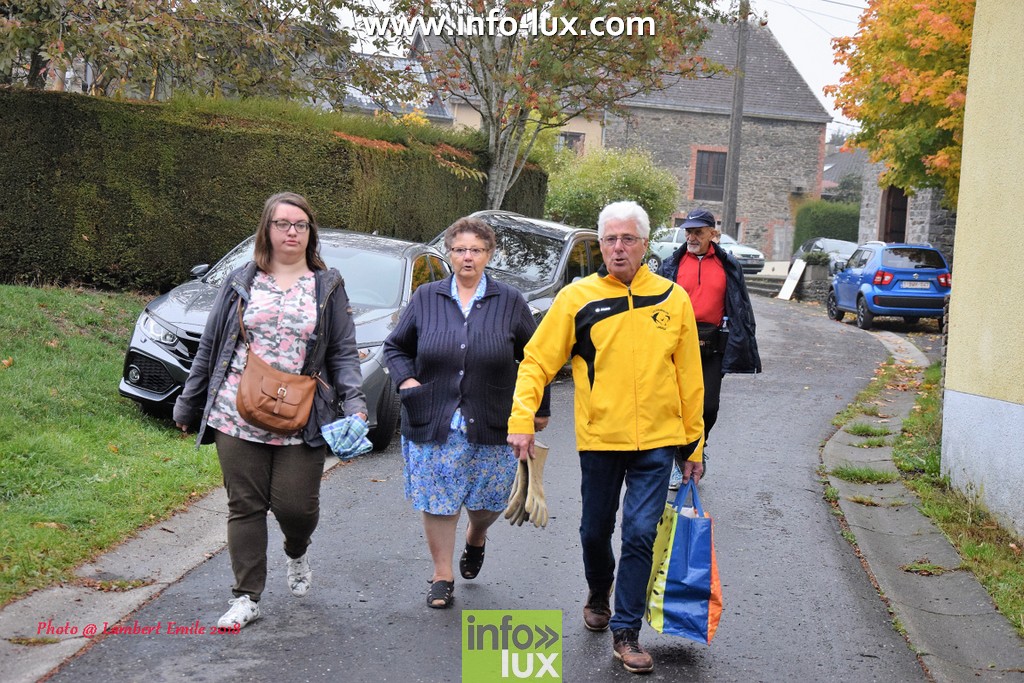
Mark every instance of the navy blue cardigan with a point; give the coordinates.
(461, 362)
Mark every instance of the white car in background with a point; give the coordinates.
(751, 260)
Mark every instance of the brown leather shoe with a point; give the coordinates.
(597, 611)
(627, 649)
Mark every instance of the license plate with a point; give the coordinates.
(911, 284)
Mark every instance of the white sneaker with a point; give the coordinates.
(300, 576)
(243, 611)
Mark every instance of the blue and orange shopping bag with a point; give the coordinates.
(684, 595)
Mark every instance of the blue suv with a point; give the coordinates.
(910, 281)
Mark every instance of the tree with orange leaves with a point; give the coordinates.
(569, 58)
(906, 83)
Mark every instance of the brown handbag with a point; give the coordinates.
(268, 398)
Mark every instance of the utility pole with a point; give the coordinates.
(732, 159)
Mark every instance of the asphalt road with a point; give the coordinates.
(797, 603)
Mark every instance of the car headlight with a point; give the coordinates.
(153, 329)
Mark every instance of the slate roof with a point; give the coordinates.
(431, 105)
(772, 88)
(839, 164)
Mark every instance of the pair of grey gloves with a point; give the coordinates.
(526, 503)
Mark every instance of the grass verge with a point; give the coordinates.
(81, 468)
(990, 552)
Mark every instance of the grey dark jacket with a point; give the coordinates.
(334, 353)
(740, 353)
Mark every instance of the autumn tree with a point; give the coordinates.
(906, 83)
(298, 49)
(555, 67)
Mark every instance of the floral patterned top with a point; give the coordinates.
(278, 324)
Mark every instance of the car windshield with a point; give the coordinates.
(727, 239)
(372, 280)
(527, 255)
(910, 257)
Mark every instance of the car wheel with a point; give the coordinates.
(911, 319)
(940, 320)
(833, 307)
(864, 316)
(387, 418)
(654, 262)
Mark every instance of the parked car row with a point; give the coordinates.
(381, 273)
(839, 251)
(910, 281)
(751, 260)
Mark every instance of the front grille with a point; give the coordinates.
(928, 303)
(154, 376)
(185, 351)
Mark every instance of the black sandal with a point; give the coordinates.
(472, 560)
(443, 591)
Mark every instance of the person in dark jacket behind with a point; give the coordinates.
(298, 319)
(454, 358)
(725, 319)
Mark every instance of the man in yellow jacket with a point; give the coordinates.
(639, 390)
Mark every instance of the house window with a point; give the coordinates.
(571, 141)
(709, 181)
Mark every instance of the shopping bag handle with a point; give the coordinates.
(689, 488)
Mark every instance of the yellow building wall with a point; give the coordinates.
(985, 356)
(466, 116)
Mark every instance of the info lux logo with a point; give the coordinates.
(504, 645)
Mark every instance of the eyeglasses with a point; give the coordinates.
(284, 226)
(462, 251)
(627, 240)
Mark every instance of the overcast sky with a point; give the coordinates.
(805, 29)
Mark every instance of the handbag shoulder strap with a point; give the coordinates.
(241, 325)
(245, 339)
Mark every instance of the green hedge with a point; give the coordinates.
(128, 195)
(819, 218)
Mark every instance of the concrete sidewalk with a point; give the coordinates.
(949, 619)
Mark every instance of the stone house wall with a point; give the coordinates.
(780, 166)
(927, 221)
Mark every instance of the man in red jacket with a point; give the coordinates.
(725, 320)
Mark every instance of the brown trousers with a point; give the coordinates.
(282, 479)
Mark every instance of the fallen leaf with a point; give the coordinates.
(1015, 549)
(85, 237)
(49, 525)
(53, 343)
(112, 448)
(7, 362)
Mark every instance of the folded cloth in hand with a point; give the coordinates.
(347, 437)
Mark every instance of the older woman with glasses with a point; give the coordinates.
(297, 318)
(453, 357)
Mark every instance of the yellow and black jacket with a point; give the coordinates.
(635, 363)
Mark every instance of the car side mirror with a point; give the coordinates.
(200, 270)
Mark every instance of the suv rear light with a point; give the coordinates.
(882, 277)
(945, 280)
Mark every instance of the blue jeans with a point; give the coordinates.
(646, 475)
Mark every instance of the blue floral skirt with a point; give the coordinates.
(441, 478)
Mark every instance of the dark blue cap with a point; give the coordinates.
(699, 218)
